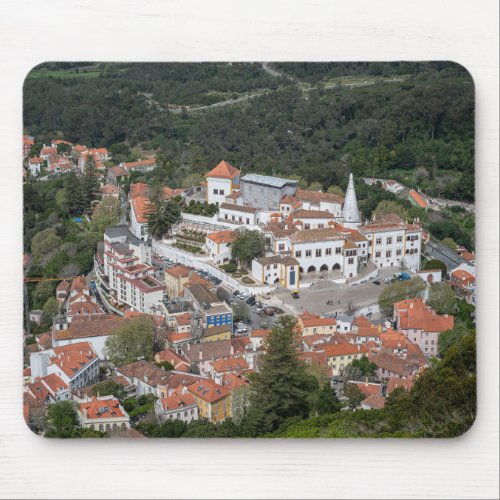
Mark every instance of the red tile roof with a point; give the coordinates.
(208, 391)
(224, 170)
(102, 408)
(414, 314)
(418, 198)
(220, 237)
(367, 388)
(374, 401)
(72, 358)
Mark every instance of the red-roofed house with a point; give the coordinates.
(35, 165)
(77, 365)
(421, 324)
(180, 363)
(218, 245)
(417, 199)
(177, 407)
(464, 282)
(145, 165)
(213, 400)
(102, 414)
(311, 324)
(221, 182)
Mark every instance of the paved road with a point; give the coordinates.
(314, 299)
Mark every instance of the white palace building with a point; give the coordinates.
(310, 231)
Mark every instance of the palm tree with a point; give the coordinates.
(162, 216)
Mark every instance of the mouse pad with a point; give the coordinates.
(249, 250)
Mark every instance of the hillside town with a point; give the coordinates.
(173, 324)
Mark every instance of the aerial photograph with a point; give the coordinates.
(249, 250)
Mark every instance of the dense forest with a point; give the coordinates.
(408, 121)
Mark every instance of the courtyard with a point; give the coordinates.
(345, 298)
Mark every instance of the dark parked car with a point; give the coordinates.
(251, 300)
(376, 282)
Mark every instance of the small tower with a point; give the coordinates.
(350, 210)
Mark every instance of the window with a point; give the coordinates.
(377, 253)
(350, 260)
(298, 254)
(275, 266)
(398, 251)
(388, 253)
(389, 240)
(221, 191)
(216, 191)
(328, 251)
(399, 239)
(308, 253)
(318, 252)
(378, 241)
(321, 225)
(338, 250)
(248, 220)
(307, 226)
(281, 247)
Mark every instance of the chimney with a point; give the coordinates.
(231, 350)
(200, 355)
(146, 378)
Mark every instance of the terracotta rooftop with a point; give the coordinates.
(238, 208)
(220, 237)
(208, 391)
(317, 196)
(414, 314)
(312, 235)
(224, 170)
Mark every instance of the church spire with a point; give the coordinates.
(350, 208)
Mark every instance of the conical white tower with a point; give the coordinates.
(350, 210)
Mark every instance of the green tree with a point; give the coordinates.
(50, 309)
(74, 195)
(106, 214)
(90, 182)
(109, 387)
(450, 338)
(399, 290)
(162, 216)
(44, 242)
(131, 342)
(241, 312)
(167, 366)
(170, 429)
(434, 264)
(62, 419)
(281, 387)
(63, 148)
(327, 401)
(442, 298)
(336, 190)
(248, 245)
(450, 243)
(354, 394)
(43, 291)
(386, 207)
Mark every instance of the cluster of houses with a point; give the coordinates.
(61, 156)
(202, 369)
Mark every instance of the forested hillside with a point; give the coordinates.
(408, 121)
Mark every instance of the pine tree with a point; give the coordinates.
(280, 390)
(90, 183)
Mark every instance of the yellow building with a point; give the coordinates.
(213, 400)
(215, 333)
(310, 324)
(338, 356)
(175, 279)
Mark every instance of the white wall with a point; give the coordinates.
(197, 262)
(214, 183)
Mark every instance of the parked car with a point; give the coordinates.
(376, 282)
(269, 311)
(295, 294)
(251, 300)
